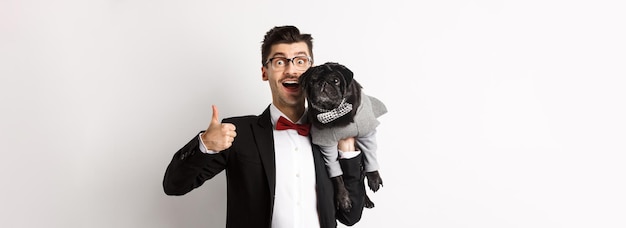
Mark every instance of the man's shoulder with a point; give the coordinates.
(249, 119)
(241, 119)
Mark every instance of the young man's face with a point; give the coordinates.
(283, 77)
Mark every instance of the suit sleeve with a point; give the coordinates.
(190, 168)
(354, 180)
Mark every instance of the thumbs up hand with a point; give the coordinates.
(218, 136)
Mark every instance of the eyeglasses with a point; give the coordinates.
(299, 62)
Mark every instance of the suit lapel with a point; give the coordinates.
(265, 144)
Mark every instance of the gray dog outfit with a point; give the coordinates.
(363, 129)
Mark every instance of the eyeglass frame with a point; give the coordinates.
(290, 60)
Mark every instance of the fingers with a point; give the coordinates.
(228, 130)
(347, 144)
(222, 136)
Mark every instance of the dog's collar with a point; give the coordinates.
(328, 116)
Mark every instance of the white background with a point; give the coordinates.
(500, 114)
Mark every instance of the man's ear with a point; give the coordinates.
(264, 73)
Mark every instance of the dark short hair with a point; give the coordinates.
(284, 35)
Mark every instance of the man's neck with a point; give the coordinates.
(293, 113)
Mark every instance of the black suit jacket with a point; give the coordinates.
(251, 176)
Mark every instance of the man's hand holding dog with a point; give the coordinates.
(347, 144)
(218, 136)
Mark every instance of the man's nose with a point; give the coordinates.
(290, 68)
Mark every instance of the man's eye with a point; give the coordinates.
(280, 62)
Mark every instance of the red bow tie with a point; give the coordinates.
(284, 124)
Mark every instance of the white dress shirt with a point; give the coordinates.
(295, 199)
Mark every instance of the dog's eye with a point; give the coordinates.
(336, 81)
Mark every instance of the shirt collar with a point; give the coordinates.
(275, 114)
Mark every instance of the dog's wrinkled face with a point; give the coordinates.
(326, 85)
(332, 93)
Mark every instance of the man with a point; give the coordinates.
(275, 176)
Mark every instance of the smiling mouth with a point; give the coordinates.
(291, 85)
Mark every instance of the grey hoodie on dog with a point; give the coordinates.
(363, 129)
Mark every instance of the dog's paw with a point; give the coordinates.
(374, 181)
(368, 202)
(343, 201)
(342, 196)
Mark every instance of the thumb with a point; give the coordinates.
(215, 118)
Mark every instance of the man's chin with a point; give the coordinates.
(295, 99)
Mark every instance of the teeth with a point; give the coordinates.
(291, 82)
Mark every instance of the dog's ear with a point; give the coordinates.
(305, 77)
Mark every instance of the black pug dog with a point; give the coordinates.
(337, 109)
